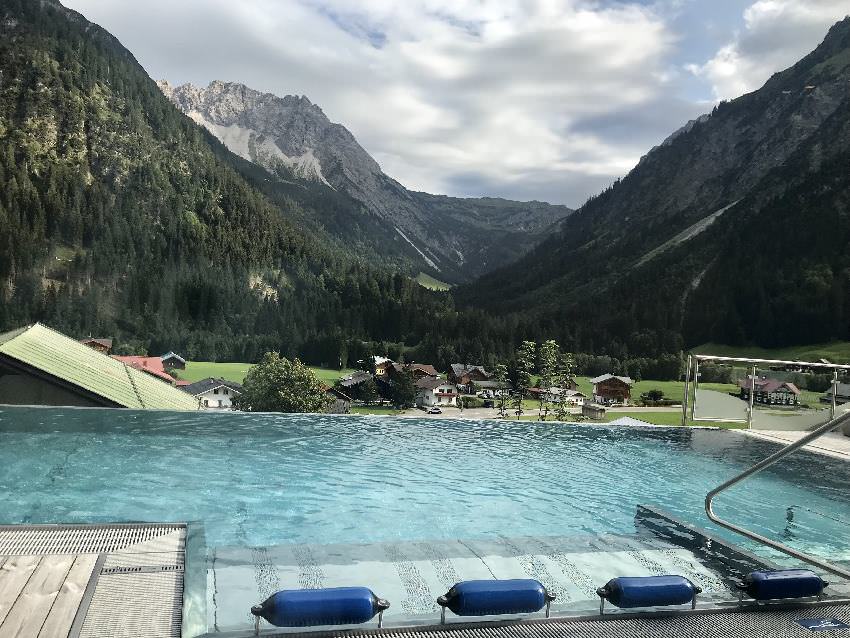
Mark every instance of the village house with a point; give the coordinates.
(609, 389)
(101, 345)
(769, 391)
(40, 366)
(842, 394)
(593, 411)
(431, 391)
(354, 379)
(555, 394)
(152, 365)
(419, 370)
(214, 393)
(382, 367)
(340, 403)
(173, 361)
(465, 375)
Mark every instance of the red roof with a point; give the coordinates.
(768, 385)
(151, 365)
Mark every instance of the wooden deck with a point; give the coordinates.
(40, 595)
(85, 581)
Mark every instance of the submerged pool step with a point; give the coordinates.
(413, 574)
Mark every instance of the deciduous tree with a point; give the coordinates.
(277, 384)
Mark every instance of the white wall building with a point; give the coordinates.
(431, 391)
(214, 393)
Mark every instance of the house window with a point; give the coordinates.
(206, 403)
(220, 403)
(215, 391)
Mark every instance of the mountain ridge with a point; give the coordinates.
(602, 260)
(122, 216)
(453, 238)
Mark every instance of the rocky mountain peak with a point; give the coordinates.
(291, 135)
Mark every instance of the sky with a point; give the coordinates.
(525, 99)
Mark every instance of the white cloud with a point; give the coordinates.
(466, 97)
(776, 34)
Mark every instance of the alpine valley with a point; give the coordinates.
(225, 222)
(450, 238)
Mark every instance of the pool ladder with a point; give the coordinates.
(829, 426)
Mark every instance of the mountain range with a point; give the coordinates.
(733, 230)
(123, 217)
(243, 222)
(451, 238)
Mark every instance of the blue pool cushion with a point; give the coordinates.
(648, 591)
(784, 583)
(311, 607)
(493, 597)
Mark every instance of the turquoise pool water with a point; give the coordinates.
(275, 479)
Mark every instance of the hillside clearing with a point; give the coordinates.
(429, 282)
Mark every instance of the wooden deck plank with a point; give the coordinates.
(14, 574)
(64, 609)
(33, 605)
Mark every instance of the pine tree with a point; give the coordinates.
(524, 366)
(547, 363)
(563, 376)
(500, 375)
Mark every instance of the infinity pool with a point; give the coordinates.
(259, 480)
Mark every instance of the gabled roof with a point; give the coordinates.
(173, 355)
(606, 377)
(339, 395)
(72, 363)
(413, 367)
(768, 385)
(355, 378)
(106, 343)
(207, 385)
(460, 368)
(429, 383)
(554, 390)
(843, 390)
(151, 365)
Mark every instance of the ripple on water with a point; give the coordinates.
(263, 479)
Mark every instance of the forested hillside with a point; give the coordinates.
(735, 230)
(122, 217)
(454, 239)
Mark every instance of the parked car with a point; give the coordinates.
(435, 410)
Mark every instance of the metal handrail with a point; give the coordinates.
(804, 364)
(829, 426)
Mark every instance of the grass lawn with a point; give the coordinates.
(427, 281)
(329, 376)
(836, 352)
(671, 389)
(197, 370)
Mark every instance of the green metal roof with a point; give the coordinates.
(64, 358)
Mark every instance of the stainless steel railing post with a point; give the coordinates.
(686, 397)
(829, 426)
